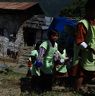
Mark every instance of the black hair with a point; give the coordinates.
(51, 32)
(37, 45)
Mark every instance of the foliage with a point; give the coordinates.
(76, 9)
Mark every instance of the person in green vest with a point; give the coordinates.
(45, 60)
(33, 71)
(85, 46)
(34, 56)
(61, 73)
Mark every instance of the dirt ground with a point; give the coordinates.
(10, 86)
(10, 80)
(11, 83)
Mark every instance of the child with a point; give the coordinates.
(33, 70)
(60, 68)
(34, 55)
(46, 57)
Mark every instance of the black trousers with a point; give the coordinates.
(46, 81)
(35, 83)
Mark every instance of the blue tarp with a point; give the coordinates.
(58, 23)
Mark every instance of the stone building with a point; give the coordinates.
(12, 17)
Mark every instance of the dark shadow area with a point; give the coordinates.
(25, 84)
(30, 84)
(29, 36)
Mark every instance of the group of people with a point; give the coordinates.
(50, 59)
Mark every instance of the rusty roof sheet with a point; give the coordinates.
(17, 5)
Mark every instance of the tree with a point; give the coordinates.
(76, 9)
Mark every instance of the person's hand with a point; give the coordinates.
(38, 63)
(62, 61)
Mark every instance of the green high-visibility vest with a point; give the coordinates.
(87, 57)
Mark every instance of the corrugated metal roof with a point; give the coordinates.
(17, 5)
